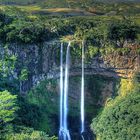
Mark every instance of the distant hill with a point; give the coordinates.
(61, 3)
(118, 1)
(77, 7)
(19, 2)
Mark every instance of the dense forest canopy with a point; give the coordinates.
(25, 29)
(120, 116)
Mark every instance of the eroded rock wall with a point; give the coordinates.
(42, 61)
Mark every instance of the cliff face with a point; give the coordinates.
(103, 77)
(126, 63)
(42, 61)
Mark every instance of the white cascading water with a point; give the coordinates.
(82, 94)
(61, 91)
(63, 131)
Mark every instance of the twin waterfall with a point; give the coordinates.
(64, 83)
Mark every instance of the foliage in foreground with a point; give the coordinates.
(8, 129)
(25, 133)
(8, 107)
(120, 119)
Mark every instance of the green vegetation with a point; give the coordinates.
(97, 31)
(24, 133)
(96, 6)
(14, 124)
(44, 100)
(123, 31)
(8, 113)
(106, 27)
(119, 120)
(13, 119)
(7, 62)
(7, 67)
(23, 136)
(8, 108)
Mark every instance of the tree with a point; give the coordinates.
(8, 107)
(122, 31)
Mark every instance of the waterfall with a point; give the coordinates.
(61, 87)
(82, 94)
(63, 131)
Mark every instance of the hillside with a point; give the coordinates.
(74, 8)
(64, 3)
(118, 1)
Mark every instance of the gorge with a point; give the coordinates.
(106, 73)
(69, 70)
